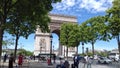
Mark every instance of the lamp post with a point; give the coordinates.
(51, 48)
(64, 51)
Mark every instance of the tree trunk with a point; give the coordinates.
(77, 47)
(1, 38)
(2, 22)
(67, 53)
(77, 50)
(16, 43)
(93, 49)
(64, 51)
(82, 48)
(118, 40)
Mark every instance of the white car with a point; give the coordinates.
(104, 60)
(114, 56)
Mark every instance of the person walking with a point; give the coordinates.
(11, 60)
(85, 61)
(20, 60)
(34, 57)
(66, 63)
(54, 57)
(5, 58)
(76, 61)
(89, 61)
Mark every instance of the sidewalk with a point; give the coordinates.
(45, 65)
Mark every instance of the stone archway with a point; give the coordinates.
(55, 24)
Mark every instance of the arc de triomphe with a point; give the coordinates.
(42, 40)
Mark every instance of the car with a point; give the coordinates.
(60, 58)
(104, 60)
(114, 56)
(82, 59)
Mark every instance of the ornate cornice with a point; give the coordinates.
(62, 18)
(62, 15)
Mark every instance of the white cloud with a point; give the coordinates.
(65, 4)
(95, 5)
(69, 2)
(90, 5)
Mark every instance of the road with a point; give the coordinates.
(36, 64)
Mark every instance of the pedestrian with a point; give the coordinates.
(60, 60)
(54, 57)
(76, 61)
(11, 60)
(61, 64)
(34, 57)
(20, 60)
(85, 61)
(31, 57)
(89, 61)
(5, 58)
(66, 64)
(39, 58)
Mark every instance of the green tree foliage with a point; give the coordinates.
(94, 30)
(66, 35)
(90, 53)
(7, 42)
(25, 52)
(75, 36)
(26, 14)
(113, 21)
(104, 54)
(83, 34)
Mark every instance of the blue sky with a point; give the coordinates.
(83, 10)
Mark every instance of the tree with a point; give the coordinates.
(65, 35)
(75, 36)
(82, 35)
(27, 12)
(78, 34)
(25, 52)
(113, 21)
(96, 29)
(7, 42)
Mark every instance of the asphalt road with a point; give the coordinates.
(111, 65)
(36, 64)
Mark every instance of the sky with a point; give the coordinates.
(83, 10)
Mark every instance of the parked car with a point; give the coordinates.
(114, 56)
(82, 59)
(104, 60)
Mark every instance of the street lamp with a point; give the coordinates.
(51, 48)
